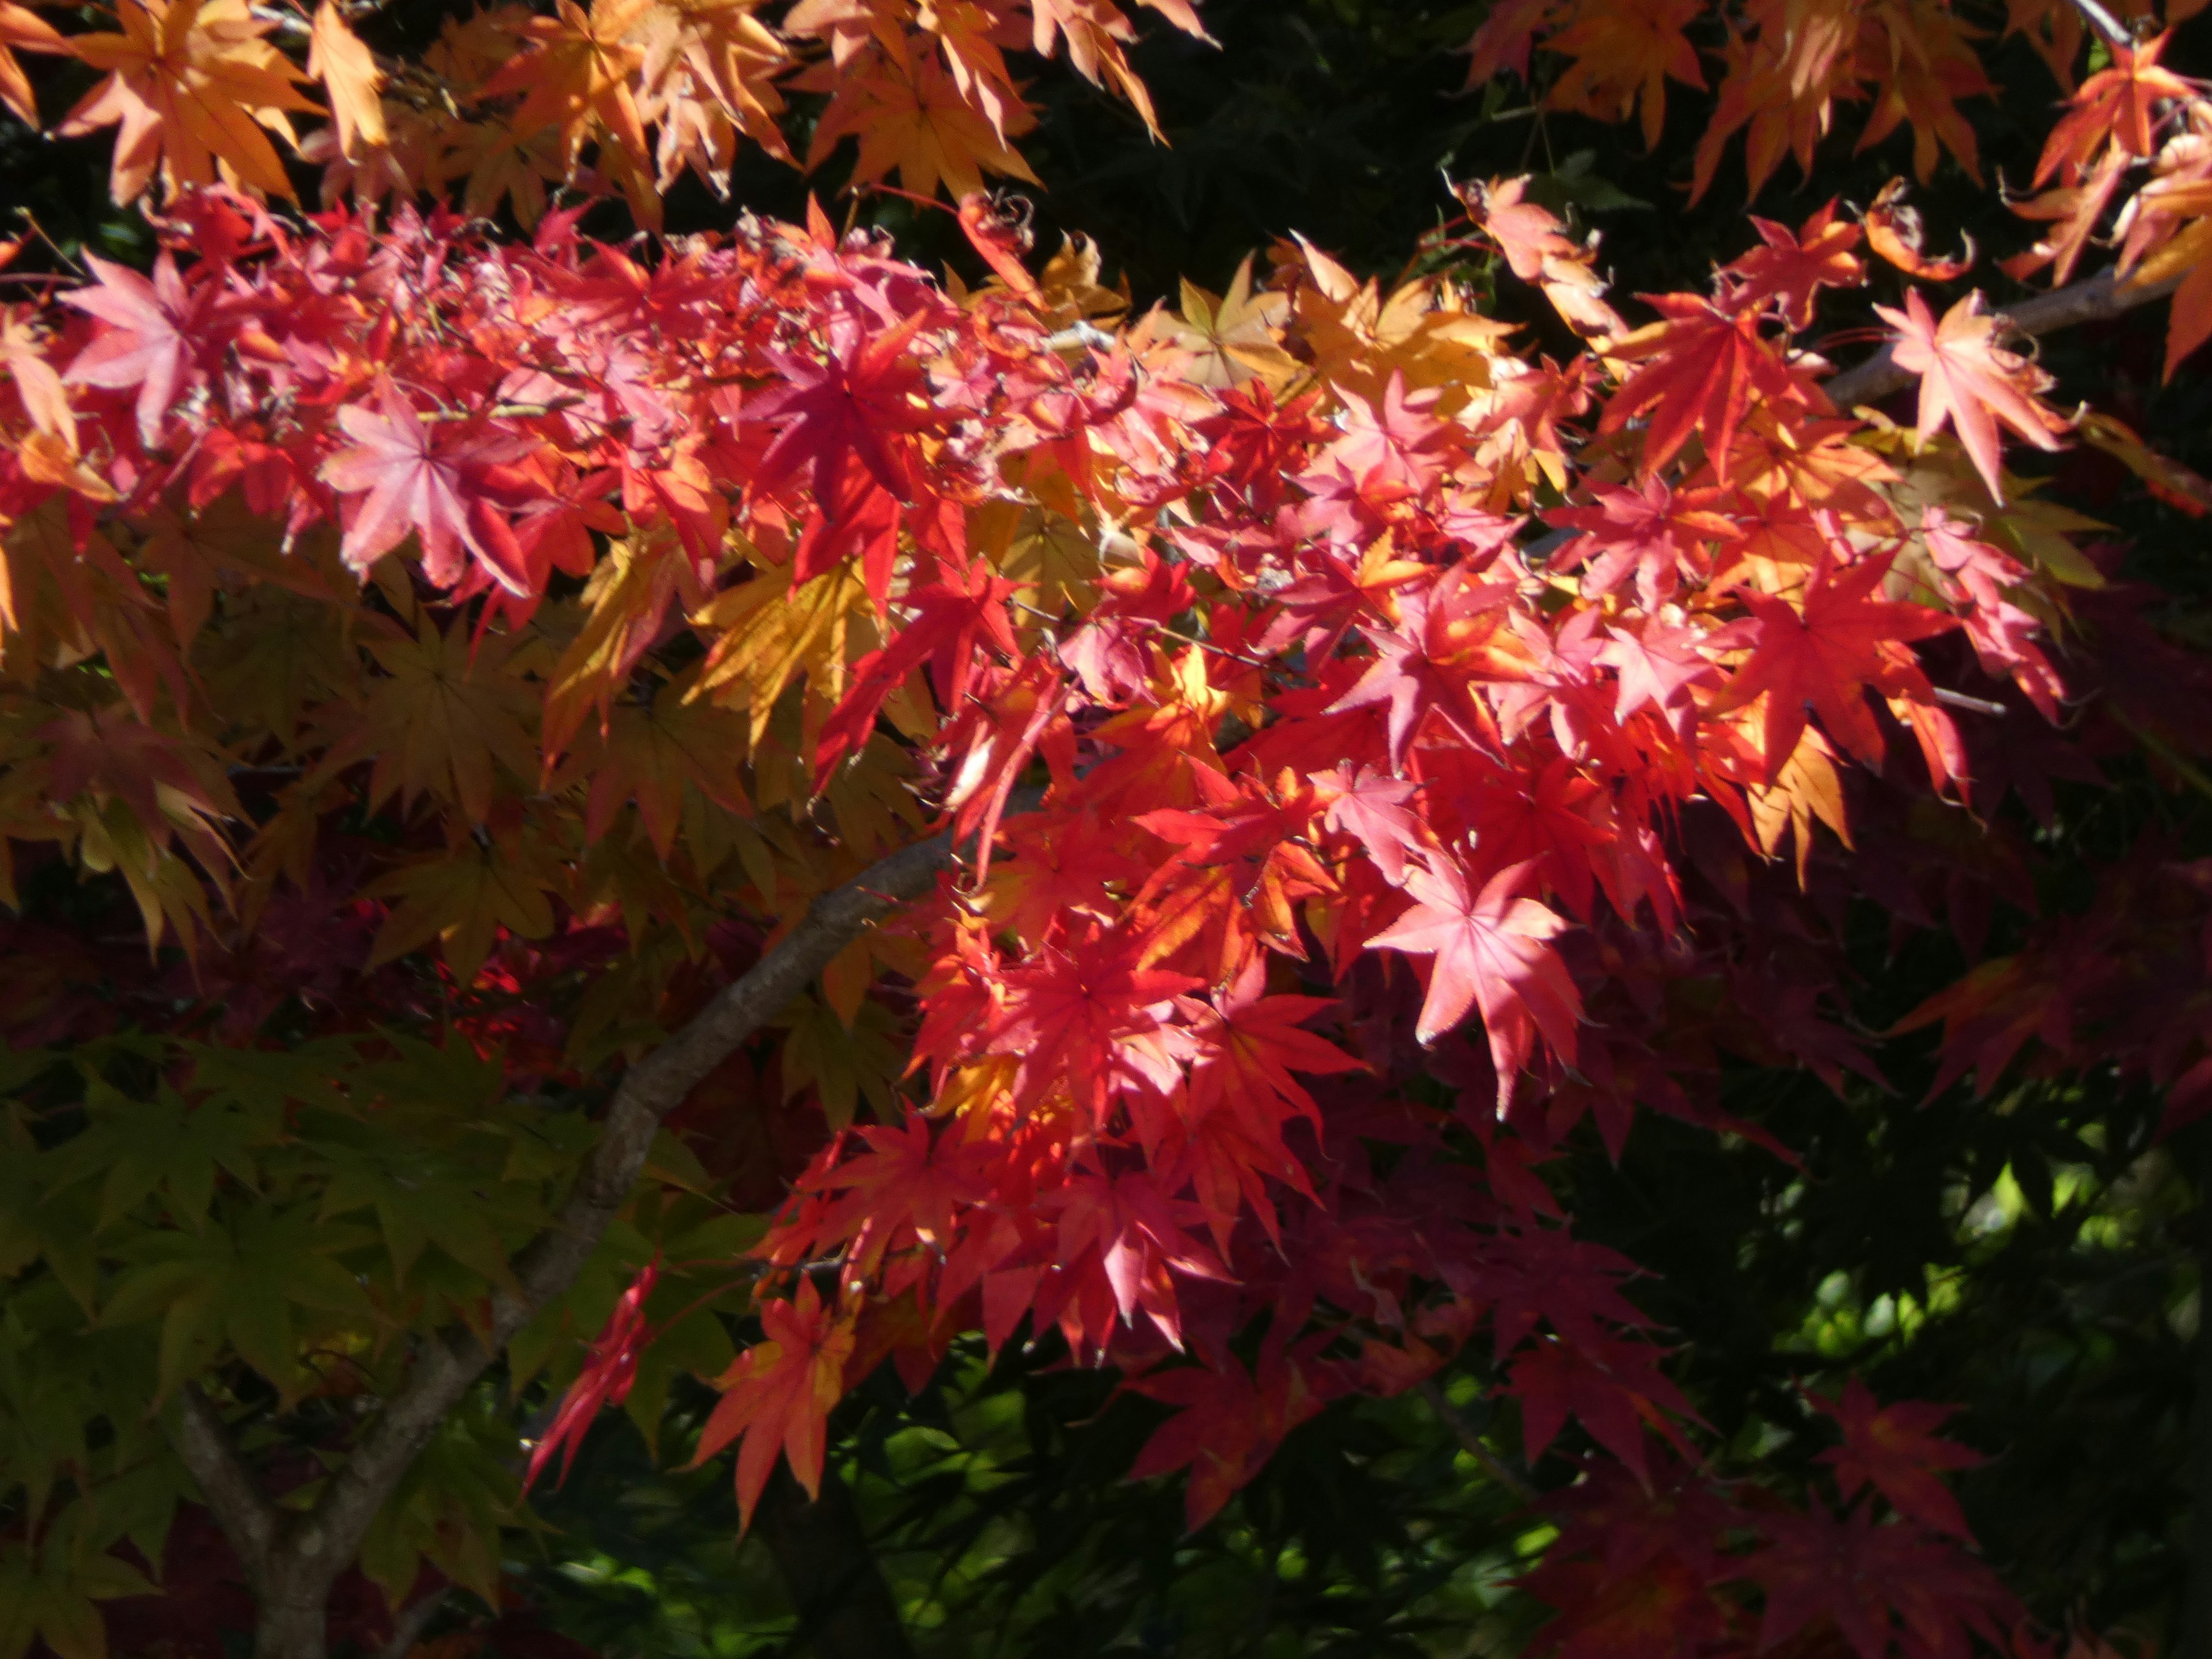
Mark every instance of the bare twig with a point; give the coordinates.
(2114, 31)
(1518, 1484)
(2095, 298)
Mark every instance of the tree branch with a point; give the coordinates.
(407, 1629)
(1519, 1485)
(240, 1508)
(2114, 31)
(2095, 298)
(451, 1362)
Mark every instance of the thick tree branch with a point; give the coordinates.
(450, 1362)
(2095, 299)
(234, 1497)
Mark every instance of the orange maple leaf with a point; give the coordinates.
(23, 31)
(908, 115)
(1894, 231)
(1916, 53)
(1623, 49)
(580, 78)
(1969, 380)
(191, 84)
(2118, 104)
(778, 1396)
(349, 75)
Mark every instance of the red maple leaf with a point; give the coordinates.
(1703, 369)
(1230, 1423)
(401, 474)
(1791, 269)
(1896, 1448)
(1654, 532)
(608, 1371)
(1826, 658)
(1490, 953)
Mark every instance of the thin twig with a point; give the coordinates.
(2114, 31)
(1519, 1485)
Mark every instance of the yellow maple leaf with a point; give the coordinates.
(1233, 337)
(1357, 338)
(350, 77)
(768, 637)
(21, 30)
(191, 84)
(908, 116)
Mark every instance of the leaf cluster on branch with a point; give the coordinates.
(1172, 822)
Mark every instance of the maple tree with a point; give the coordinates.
(1177, 819)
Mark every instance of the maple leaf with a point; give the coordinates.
(1372, 809)
(652, 755)
(1825, 658)
(463, 898)
(1896, 1448)
(22, 30)
(1230, 1423)
(908, 115)
(1491, 951)
(1999, 629)
(2119, 106)
(778, 1394)
(1702, 370)
(609, 1371)
(1504, 38)
(350, 77)
(146, 344)
(1657, 667)
(401, 474)
(1970, 382)
(1625, 50)
(1096, 31)
(579, 77)
(1613, 1386)
(191, 83)
(1001, 235)
(1527, 235)
(1076, 1016)
(1248, 1043)
(1924, 67)
(1234, 337)
(1894, 230)
(1791, 269)
(1651, 532)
